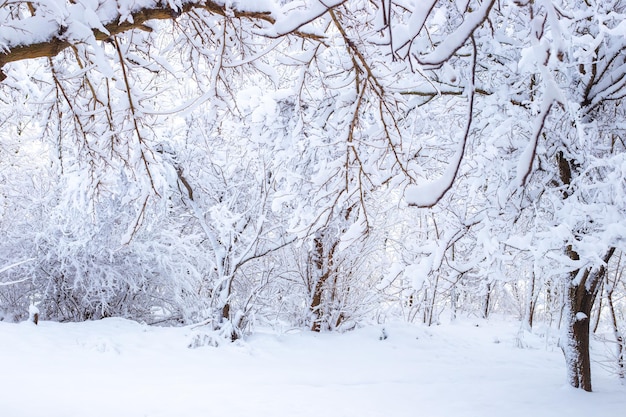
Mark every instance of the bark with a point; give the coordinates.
(323, 267)
(57, 41)
(316, 303)
(582, 291)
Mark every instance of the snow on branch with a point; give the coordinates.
(46, 31)
(293, 19)
(11, 266)
(429, 194)
(404, 35)
(525, 163)
(456, 39)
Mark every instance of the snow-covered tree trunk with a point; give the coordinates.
(321, 271)
(581, 293)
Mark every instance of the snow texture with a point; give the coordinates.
(580, 316)
(429, 193)
(115, 367)
(456, 39)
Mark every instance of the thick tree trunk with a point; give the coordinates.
(583, 287)
(581, 293)
(576, 348)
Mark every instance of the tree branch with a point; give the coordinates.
(57, 41)
(158, 11)
(430, 194)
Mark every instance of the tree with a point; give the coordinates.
(568, 82)
(583, 88)
(229, 202)
(501, 115)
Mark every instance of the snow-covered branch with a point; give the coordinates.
(45, 31)
(454, 41)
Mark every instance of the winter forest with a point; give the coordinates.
(319, 165)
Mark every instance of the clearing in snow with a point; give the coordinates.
(120, 368)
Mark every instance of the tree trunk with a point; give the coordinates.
(322, 264)
(530, 303)
(316, 303)
(581, 293)
(487, 302)
(576, 349)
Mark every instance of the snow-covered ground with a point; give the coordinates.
(118, 368)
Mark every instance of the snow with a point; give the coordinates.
(403, 34)
(292, 18)
(32, 310)
(580, 316)
(427, 194)
(526, 160)
(116, 367)
(456, 39)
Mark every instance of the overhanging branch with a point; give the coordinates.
(137, 19)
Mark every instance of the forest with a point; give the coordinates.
(317, 164)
